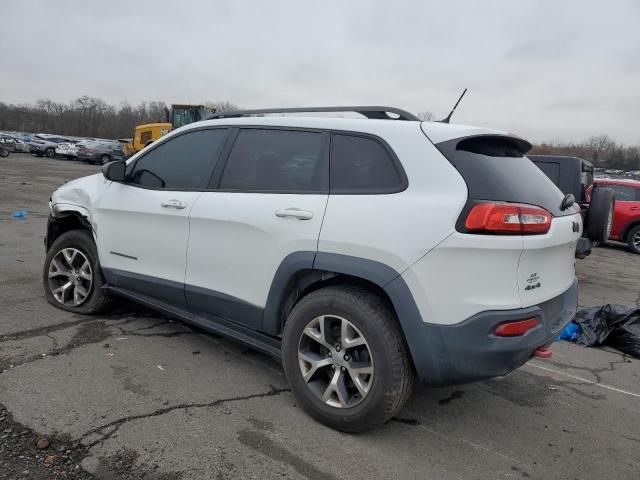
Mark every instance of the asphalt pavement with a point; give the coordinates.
(135, 395)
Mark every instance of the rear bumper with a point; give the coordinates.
(469, 351)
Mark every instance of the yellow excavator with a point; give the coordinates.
(177, 116)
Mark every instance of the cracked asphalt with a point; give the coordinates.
(134, 395)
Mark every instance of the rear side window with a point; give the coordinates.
(363, 165)
(495, 168)
(625, 193)
(273, 160)
(184, 162)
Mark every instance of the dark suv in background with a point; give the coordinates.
(574, 176)
(100, 152)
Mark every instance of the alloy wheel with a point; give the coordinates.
(70, 277)
(335, 361)
(636, 241)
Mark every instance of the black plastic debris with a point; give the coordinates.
(617, 326)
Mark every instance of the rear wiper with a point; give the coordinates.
(567, 201)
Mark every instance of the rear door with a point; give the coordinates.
(269, 204)
(143, 224)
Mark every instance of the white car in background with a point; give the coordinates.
(70, 149)
(67, 149)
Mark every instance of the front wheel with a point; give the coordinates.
(633, 240)
(346, 359)
(104, 159)
(50, 152)
(4, 152)
(72, 276)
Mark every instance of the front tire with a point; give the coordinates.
(104, 159)
(50, 152)
(346, 359)
(633, 240)
(72, 277)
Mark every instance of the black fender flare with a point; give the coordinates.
(414, 329)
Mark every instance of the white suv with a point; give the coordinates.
(360, 252)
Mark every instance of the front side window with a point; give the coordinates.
(184, 162)
(275, 160)
(362, 165)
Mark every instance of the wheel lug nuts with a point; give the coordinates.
(330, 354)
(342, 369)
(347, 358)
(338, 348)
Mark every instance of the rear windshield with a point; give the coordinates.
(495, 168)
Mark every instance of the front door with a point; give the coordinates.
(143, 224)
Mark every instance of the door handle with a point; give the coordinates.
(177, 204)
(294, 213)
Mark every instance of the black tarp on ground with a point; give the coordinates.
(617, 326)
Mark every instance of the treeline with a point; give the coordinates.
(602, 150)
(86, 117)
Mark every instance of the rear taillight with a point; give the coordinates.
(507, 218)
(515, 329)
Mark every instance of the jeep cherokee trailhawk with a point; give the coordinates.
(362, 253)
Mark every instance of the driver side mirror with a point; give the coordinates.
(115, 171)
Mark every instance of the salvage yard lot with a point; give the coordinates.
(135, 395)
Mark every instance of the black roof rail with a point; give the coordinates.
(373, 112)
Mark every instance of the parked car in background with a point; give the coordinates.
(67, 149)
(626, 217)
(21, 146)
(7, 142)
(44, 144)
(100, 152)
(70, 149)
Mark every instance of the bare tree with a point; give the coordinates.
(223, 106)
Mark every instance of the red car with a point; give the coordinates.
(626, 217)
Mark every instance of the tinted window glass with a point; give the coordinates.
(360, 164)
(495, 168)
(183, 162)
(276, 160)
(624, 193)
(551, 170)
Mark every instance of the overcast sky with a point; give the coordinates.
(548, 70)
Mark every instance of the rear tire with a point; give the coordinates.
(633, 240)
(104, 159)
(600, 214)
(373, 344)
(72, 277)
